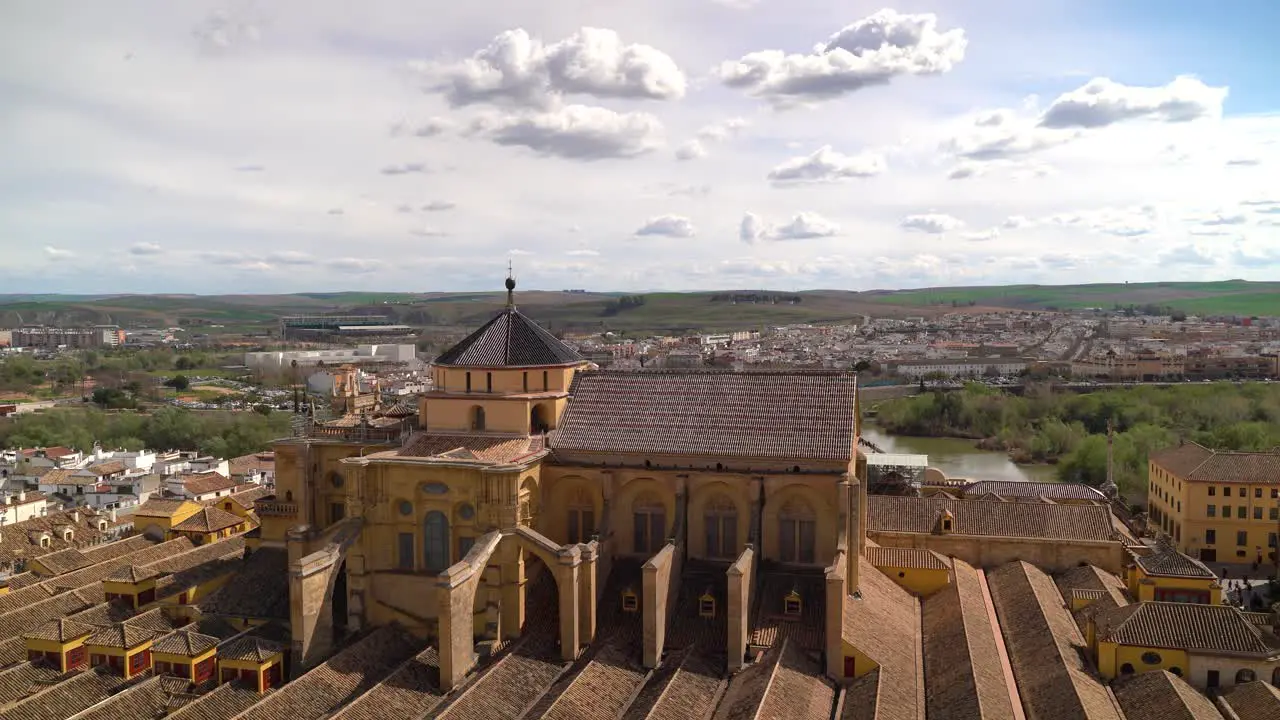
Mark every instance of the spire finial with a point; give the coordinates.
(511, 286)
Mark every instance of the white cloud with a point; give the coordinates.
(675, 226)
(691, 150)
(964, 171)
(982, 235)
(826, 165)
(404, 168)
(439, 206)
(1244, 162)
(803, 226)
(576, 132)
(289, 257)
(932, 223)
(355, 265)
(55, 253)
(1102, 102)
(583, 252)
(871, 51)
(1184, 255)
(1220, 218)
(519, 69)
(145, 248)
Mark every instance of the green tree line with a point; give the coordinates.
(223, 434)
(1069, 429)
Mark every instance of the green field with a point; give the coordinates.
(1230, 297)
(659, 313)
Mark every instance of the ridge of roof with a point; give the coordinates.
(509, 339)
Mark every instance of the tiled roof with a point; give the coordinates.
(24, 679)
(16, 622)
(1193, 627)
(510, 339)
(1046, 648)
(746, 689)
(887, 513)
(209, 519)
(914, 558)
(245, 464)
(1194, 463)
(145, 701)
(1090, 577)
(474, 447)
(244, 498)
(119, 548)
(799, 688)
(130, 574)
(1161, 695)
(120, 635)
(351, 672)
(64, 561)
(159, 507)
(61, 476)
(1257, 700)
(260, 589)
(20, 540)
(884, 624)
(72, 696)
(1168, 562)
(185, 643)
(111, 467)
(413, 690)
(774, 416)
(1034, 490)
(862, 699)
(222, 703)
(60, 630)
(251, 648)
(961, 656)
(404, 407)
(207, 482)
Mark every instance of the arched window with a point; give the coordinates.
(488, 382)
(468, 382)
(1245, 675)
(537, 420)
(477, 418)
(546, 385)
(435, 541)
(582, 517)
(649, 518)
(526, 380)
(797, 532)
(1126, 669)
(721, 519)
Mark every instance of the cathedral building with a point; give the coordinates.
(546, 539)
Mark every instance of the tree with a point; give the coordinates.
(179, 382)
(184, 363)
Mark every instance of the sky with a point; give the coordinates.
(220, 147)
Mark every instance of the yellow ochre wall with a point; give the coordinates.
(165, 523)
(260, 668)
(190, 662)
(505, 380)
(1144, 586)
(1183, 506)
(57, 647)
(120, 652)
(920, 581)
(1112, 657)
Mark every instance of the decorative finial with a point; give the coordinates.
(511, 287)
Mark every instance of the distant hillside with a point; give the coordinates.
(636, 313)
(1228, 297)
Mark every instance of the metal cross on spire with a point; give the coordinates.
(511, 286)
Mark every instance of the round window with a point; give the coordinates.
(466, 512)
(1151, 658)
(336, 479)
(406, 507)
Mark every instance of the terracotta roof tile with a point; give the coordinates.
(252, 648)
(145, 701)
(915, 558)
(1166, 561)
(1194, 463)
(774, 416)
(159, 507)
(71, 696)
(329, 685)
(1257, 700)
(130, 574)
(185, 643)
(972, 517)
(475, 447)
(17, 622)
(799, 688)
(209, 519)
(64, 561)
(1161, 695)
(884, 624)
(1205, 628)
(207, 482)
(1035, 490)
(20, 541)
(260, 589)
(222, 703)
(413, 690)
(120, 635)
(1046, 648)
(110, 467)
(510, 339)
(961, 657)
(688, 684)
(26, 678)
(746, 690)
(265, 461)
(119, 548)
(60, 630)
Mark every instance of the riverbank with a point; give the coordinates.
(959, 457)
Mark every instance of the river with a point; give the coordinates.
(959, 458)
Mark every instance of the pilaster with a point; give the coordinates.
(567, 585)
